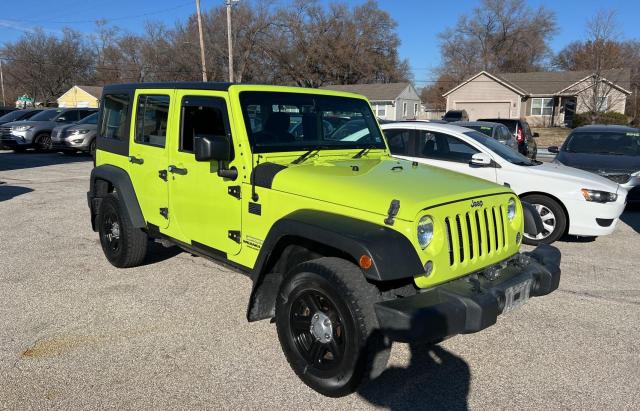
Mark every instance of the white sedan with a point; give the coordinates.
(569, 201)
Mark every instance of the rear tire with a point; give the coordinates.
(123, 244)
(327, 326)
(554, 219)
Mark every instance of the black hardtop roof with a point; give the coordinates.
(499, 120)
(189, 85)
(477, 123)
(606, 127)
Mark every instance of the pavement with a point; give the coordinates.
(76, 332)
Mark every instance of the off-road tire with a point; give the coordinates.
(132, 247)
(560, 219)
(366, 349)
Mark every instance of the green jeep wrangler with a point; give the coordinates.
(348, 248)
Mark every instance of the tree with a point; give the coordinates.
(431, 95)
(498, 36)
(45, 65)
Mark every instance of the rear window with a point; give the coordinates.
(113, 123)
(511, 124)
(488, 131)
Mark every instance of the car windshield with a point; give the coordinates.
(298, 121)
(487, 131)
(46, 115)
(500, 149)
(623, 143)
(12, 115)
(90, 119)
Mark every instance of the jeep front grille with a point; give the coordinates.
(476, 234)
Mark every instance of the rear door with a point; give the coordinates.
(148, 153)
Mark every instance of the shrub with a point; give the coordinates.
(609, 117)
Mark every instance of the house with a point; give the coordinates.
(81, 96)
(542, 98)
(390, 101)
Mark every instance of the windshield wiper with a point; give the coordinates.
(304, 156)
(364, 151)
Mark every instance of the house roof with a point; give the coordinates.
(374, 92)
(95, 91)
(555, 82)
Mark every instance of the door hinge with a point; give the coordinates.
(162, 174)
(234, 235)
(234, 191)
(164, 212)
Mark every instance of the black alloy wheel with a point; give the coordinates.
(43, 142)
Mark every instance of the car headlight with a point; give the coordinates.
(511, 209)
(599, 196)
(425, 231)
(77, 132)
(21, 128)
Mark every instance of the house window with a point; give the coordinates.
(542, 106)
(415, 110)
(603, 103)
(381, 111)
(404, 109)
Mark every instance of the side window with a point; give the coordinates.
(85, 113)
(202, 116)
(400, 142)
(151, 120)
(113, 121)
(70, 116)
(439, 146)
(527, 130)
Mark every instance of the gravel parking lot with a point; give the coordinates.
(76, 332)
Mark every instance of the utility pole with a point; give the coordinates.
(229, 39)
(4, 103)
(203, 61)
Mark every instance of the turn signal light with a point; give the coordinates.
(365, 262)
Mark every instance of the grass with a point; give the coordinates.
(553, 136)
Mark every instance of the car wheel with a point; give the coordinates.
(327, 326)
(123, 244)
(554, 220)
(92, 148)
(43, 142)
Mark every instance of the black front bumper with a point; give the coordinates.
(469, 304)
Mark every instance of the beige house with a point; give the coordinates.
(390, 101)
(542, 98)
(81, 96)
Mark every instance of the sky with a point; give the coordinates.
(419, 21)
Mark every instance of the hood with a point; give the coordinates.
(583, 177)
(81, 127)
(33, 123)
(371, 184)
(62, 127)
(600, 163)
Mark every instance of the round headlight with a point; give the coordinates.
(425, 231)
(511, 209)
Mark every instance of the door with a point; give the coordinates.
(450, 152)
(148, 154)
(203, 208)
(569, 111)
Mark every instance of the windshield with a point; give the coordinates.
(623, 143)
(91, 119)
(13, 115)
(297, 121)
(500, 149)
(46, 115)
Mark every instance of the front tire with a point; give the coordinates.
(123, 244)
(554, 219)
(327, 326)
(43, 142)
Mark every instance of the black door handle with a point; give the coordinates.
(135, 160)
(177, 170)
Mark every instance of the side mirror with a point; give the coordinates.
(207, 148)
(553, 149)
(481, 160)
(536, 135)
(61, 119)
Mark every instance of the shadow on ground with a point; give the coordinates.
(31, 159)
(631, 217)
(435, 379)
(157, 253)
(8, 192)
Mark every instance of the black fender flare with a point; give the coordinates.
(122, 184)
(393, 255)
(532, 220)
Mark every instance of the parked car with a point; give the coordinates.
(569, 200)
(455, 115)
(17, 115)
(520, 129)
(80, 136)
(610, 151)
(497, 131)
(345, 246)
(5, 110)
(36, 131)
